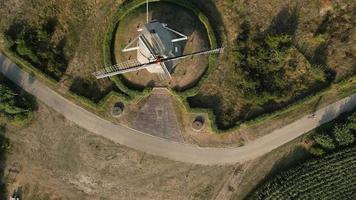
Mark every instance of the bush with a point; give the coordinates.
(34, 45)
(351, 123)
(335, 135)
(324, 140)
(343, 135)
(15, 104)
(317, 151)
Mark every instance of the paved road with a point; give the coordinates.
(165, 148)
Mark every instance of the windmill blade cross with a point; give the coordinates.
(213, 51)
(134, 65)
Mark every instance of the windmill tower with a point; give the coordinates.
(158, 49)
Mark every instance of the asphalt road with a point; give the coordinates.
(162, 147)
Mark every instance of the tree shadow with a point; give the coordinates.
(224, 119)
(50, 25)
(180, 21)
(285, 22)
(4, 146)
(89, 89)
(24, 99)
(324, 24)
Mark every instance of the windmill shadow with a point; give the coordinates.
(183, 20)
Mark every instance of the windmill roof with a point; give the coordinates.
(158, 37)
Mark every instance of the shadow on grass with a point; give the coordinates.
(285, 22)
(225, 119)
(89, 89)
(4, 146)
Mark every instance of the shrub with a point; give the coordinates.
(351, 123)
(343, 135)
(14, 104)
(324, 140)
(34, 45)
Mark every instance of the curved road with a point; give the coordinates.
(162, 147)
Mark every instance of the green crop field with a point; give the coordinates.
(324, 177)
(330, 177)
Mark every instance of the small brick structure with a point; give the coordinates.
(117, 109)
(198, 123)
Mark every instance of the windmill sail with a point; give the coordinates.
(213, 51)
(134, 65)
(120, 68)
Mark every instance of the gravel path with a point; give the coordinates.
(162, 147)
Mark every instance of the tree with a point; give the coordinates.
(351, 122)
(324, 140)
(343, 135)
(15, 104)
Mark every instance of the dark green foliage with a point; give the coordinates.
(268, 73)
(351, 122)
(261, 62)
(34, 44)
(343, 135)
(324, 140)
(330, 177)
(15, 104)
(334, 135)
(4, 147)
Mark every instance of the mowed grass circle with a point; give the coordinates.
(126, 9)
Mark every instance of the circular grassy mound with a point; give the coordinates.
(111, 47)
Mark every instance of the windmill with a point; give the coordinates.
(158, 49)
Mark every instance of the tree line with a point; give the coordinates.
(34, 44)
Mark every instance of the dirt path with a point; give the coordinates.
(165, 148)
(233, 180)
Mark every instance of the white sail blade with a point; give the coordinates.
(120, 68)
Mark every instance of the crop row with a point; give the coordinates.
(330, 177)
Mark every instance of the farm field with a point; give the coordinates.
(326, 172)
(330, 177)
